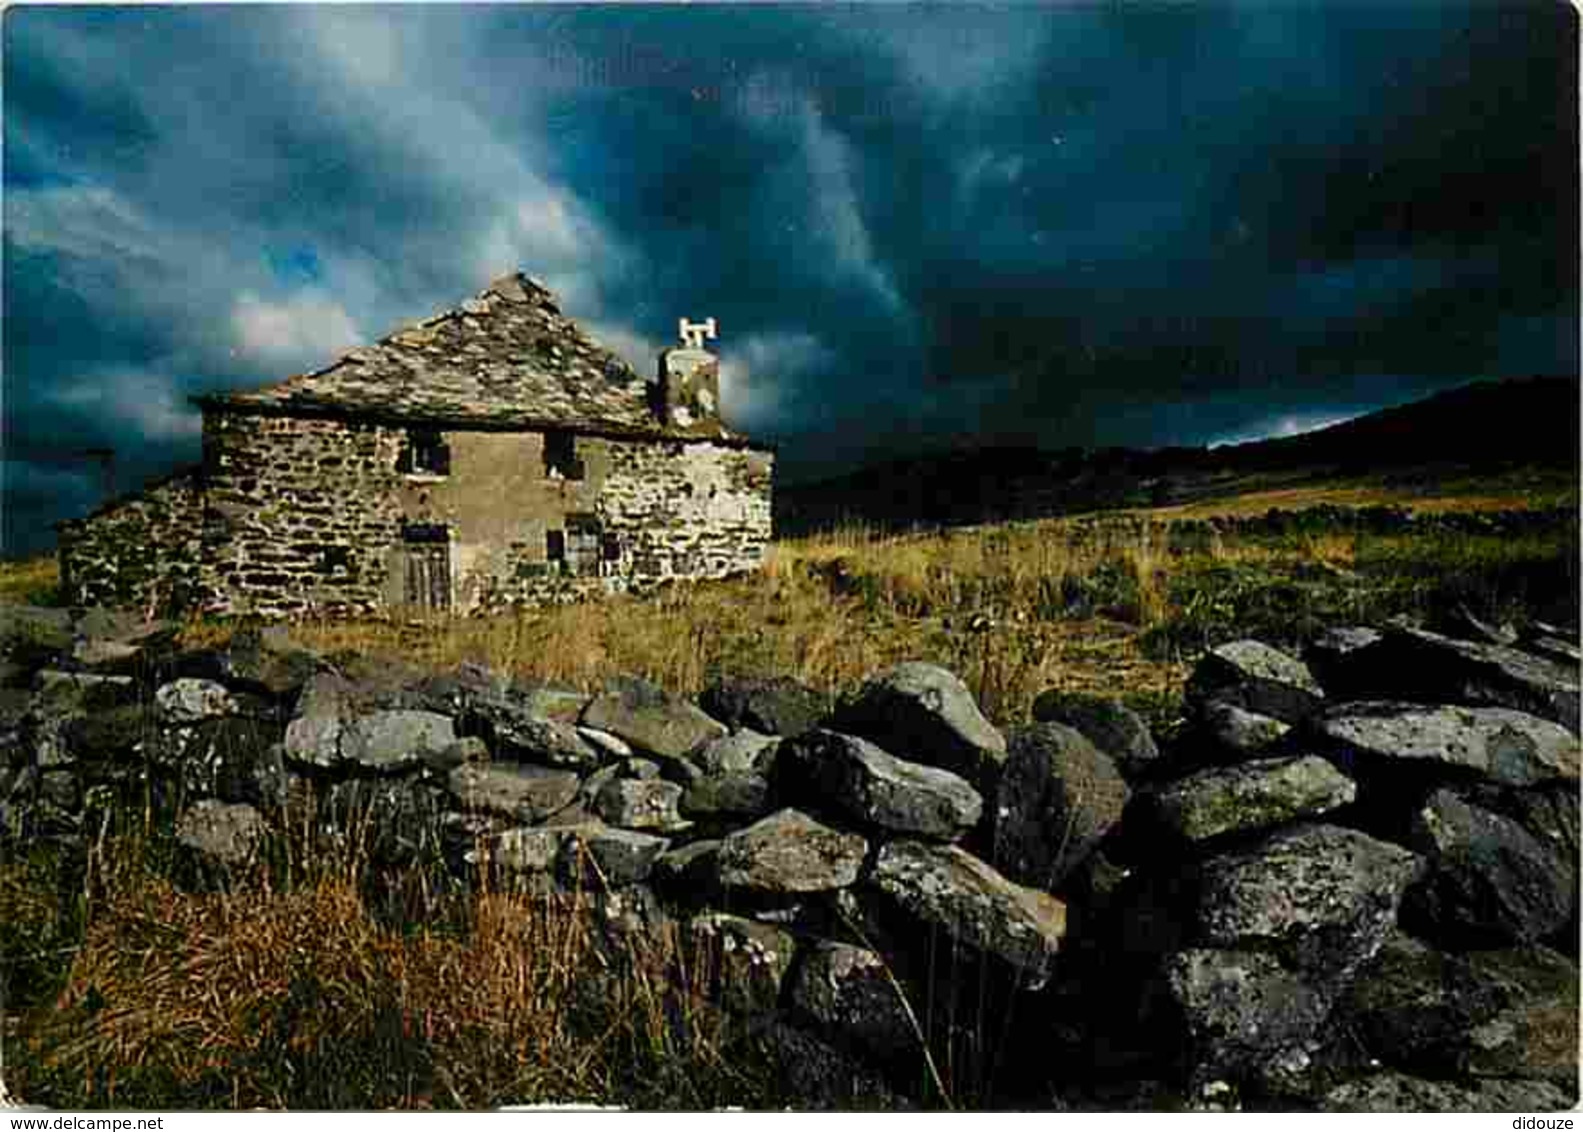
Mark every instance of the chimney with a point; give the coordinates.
(687, 394)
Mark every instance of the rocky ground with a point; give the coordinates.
(1350, 883)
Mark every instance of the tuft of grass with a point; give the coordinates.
(259, 997)
(30, 581)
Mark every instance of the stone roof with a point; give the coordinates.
(505, 358)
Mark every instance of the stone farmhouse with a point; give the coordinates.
(491, 455)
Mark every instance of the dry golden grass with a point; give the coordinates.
(273, 999)
(1452, 498)
(30, 580)
(831, 611)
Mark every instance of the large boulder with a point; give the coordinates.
(1507, 1013)
(1249, 796)
(1332, 655)
(519, 792)
(1392, 1091)
(941, 887)
(788, 852)
(1058, 795)
(191, 700)
(651, 719)
(1239, 732)
(773, 705)
(1416, 664)
(742, 752)
(1321, 897)
(923, 713)
(640, 804)
(1492, 880)
(1242, 1008)
(1501, 744)
(313, 737)
(733, 776)
(552, 742)
(394, 740)
(266, 661)
(853, 777)
(594, 855)
(1104, 721)
(849, 994)
(1258, 678)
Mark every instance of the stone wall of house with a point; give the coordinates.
(299, 514)
(312, 515)
(142, 552)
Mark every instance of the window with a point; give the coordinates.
(560, 456)
(427, 551)
(424, 454)
(579, 547)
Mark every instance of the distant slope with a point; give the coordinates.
(1534, 420)
(1479, 428)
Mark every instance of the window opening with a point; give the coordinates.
(560, 456)
(425, 453)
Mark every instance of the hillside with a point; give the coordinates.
(1486, 431)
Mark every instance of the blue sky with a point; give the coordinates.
(1079, 224)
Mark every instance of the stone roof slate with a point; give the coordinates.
(505, 358)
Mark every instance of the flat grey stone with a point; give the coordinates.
(925, 714)
(740, 752)
(1242, 1007)
(1239, 731)
(1500, 743)
(1104, 721)
(1416, 664)
(1058, 795)
(1258, 678)
(313, 736)
(873, 787)
(596, 855)
(788, 852)
(523, 793)
(548, 741)
(641, 804)
(943, 887)
(1492, 878)
(389, 740)
(610, 746)
(1250, 796)
(1391, 1091)
(1321, 895)
(190, 700)
(652, 720)
(221, 833)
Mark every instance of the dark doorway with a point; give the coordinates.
(427, 550)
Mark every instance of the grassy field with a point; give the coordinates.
(302, 990)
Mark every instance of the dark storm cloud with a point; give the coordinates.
(1068, 225)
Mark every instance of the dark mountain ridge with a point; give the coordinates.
(1480, 428)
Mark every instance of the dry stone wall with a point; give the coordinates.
(1240, 915)
(141, 553)
(299, 513)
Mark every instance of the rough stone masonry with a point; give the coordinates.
(491, 455)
